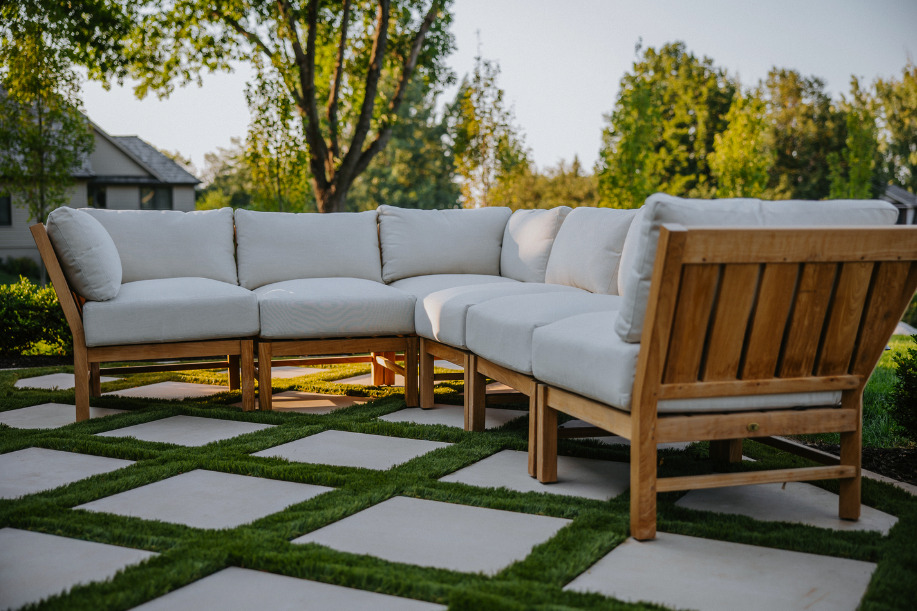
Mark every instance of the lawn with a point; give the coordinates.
(188, 554)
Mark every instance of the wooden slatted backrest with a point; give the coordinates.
(754, 311)
(69, 301)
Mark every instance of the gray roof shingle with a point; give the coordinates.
(158, 164)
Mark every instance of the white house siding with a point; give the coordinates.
(16, 240)
(113, 160)
(183, 198)
(122, 198)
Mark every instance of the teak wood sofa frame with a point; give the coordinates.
(737, 312)
(87, 360)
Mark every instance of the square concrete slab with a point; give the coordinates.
(207, 499)
(452, 415)
(367, 380)
(615, 440)
(286, 373)
(245, 589)
(187, 430)
(345, 449)
(692, 573)
(795, 502)
(593, 479)
(35, 565)
(310, 403)
(170, 390)
(441, 535)
(54, 381)
(35, 469)
(49, 415)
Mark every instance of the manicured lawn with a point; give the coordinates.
(188, 554)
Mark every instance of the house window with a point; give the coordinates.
(96, 197)
(6, 211)
(155, 198)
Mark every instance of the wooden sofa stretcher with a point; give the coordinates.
(751, 312)
(87, 360)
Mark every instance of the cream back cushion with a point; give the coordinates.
(527, 243)
(422, 242)
(86, 253)
(156, 244)
(588, 248)
(276, 246)
(637, 267)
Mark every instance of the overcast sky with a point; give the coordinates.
(562, 62)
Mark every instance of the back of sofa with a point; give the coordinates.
(638, 259)
(155, 244)
(278, 246)
(424, 242)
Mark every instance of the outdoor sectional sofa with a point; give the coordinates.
(687, 320)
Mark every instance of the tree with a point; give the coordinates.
(743, 154)
(356, 59)
(417, 169)
(43, 135)
(488, 151)
(897, 108)
(661, 131)
(806, 131)
(563, 185)
(853, 170)
(226, 177)
(275, 153)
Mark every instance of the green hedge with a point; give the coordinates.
(904, 395)
(29, 315)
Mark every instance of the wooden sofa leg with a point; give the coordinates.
(642, 488)
(475, 395)
(726, 450)
(264, 376)
(851, 454)
(95, 380)
(410, 372)
(234, 365)
(545, 443)
(378, 371)
(246, 370)
(536, 404)
(81, 382)
(426, 376)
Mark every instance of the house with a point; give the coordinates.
(904, 201)
(121, 173)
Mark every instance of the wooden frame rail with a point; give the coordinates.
(739, 312)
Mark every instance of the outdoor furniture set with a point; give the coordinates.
(688, 320)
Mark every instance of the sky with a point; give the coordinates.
(561, 63)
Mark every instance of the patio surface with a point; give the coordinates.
(674, 570)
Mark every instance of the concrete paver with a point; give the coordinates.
(54, 381)
(49, 415)
(169, 391)
(452, 415)
(186, 430)
(32, 470)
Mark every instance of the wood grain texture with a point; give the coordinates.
(771, 314)
(692, 316)
(807, 320)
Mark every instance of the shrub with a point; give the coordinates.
(20, 266)
(30, 314)
(910, 315)
(904, 405)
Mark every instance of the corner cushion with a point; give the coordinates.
(171, 310)
(86, 252)
(527, 243)
(333, 307)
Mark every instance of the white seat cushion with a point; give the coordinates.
(585, 355)
(421, 286)
(527, 243)
(420, 242)
(86, 252)
(441, 315)
(171, 244)
(637, 267)
(333, 307)
(171, 310)
(277, 246)
(588, 248)
(500, 330)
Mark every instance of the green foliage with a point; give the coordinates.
(563, 185)
(20, 266)
(486, 144)
(853, 170)
(227, 178)
(905, 391)
(807, 129)
(43, 136)
(743, 154)
(897, 109)
(30, 314)
(417, 168)
(661, 131)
